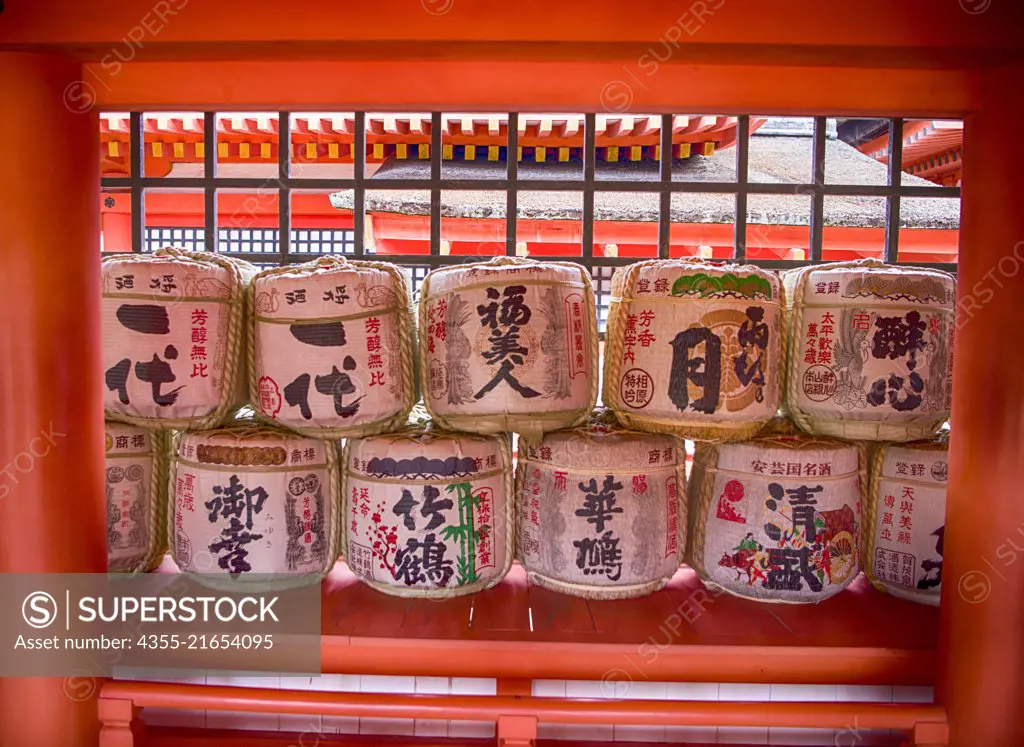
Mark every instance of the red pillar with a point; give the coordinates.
(52, 502)
(982, 644)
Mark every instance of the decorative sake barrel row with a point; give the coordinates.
(428, 513)
(777, 519)
(331, 348)
(173, 338)
(136, 497)
(906, 519)
(254, 501)
(508, 345)
(870, 350)
(601, 510)
(693, 349)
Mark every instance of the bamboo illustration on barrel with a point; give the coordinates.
(465, 532)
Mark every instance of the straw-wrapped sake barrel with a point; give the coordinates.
(777, 518)
(254, 500)
(427, 512)
(173, 338)
(509, 344)
(694, 349)
(870, 350)
(331, 347)
(136, 497)
(905, 519)
(601, 510)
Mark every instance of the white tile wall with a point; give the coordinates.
(473, 686)
(797, 693)
(691, 734)
(372, 683)
(736, 691)
(466, 729)
(549, 688)
(692, 691)
(432, 686)
(639, 733)
(796, 737)
(705, 691)
(242, 720)
(742, 735)
(864, 693)
(170, 717)
(581, 732)
(392, 726)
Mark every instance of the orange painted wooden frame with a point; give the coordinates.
(873, 58)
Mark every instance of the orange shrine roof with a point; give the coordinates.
(932, 150)
(316, 137)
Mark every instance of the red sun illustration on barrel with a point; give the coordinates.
(730, 507)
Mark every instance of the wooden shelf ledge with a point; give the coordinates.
(682, 633)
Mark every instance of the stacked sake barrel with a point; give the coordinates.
(601, 510)
(870, 350)
(508, 345)
(777, 518)
(174, 338)
(173, 357)
(136, 477)
(254, 500)
(331, 348)
(905, 519)
(693, 349)
(428, 513)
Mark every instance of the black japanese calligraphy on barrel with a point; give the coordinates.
(870, 350)
(428, 513)
(905, 519)
(509, 344)
(777, 518)
(252, 501)
(332, 343)
(601, 510)
(173, 338)
(693, 349)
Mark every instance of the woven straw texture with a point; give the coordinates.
(340, 333)
(601, 511)
(694, 349)
(174, 338)
(880, 338)
(136, 474)
(508, 345)
(777, 518)
(905, 518)
(428, 512)
(280, 476)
